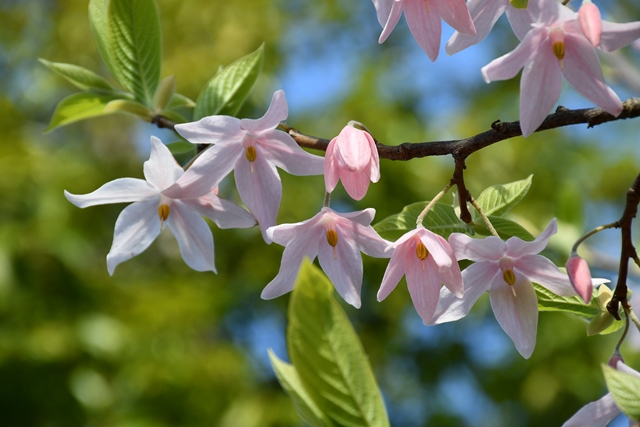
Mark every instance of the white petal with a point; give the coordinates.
(595, 414)
(122, 190)
(343, 265)
(161, 169)
(276, 113)
(223, 213)
(488, 249)
(545, 273)
(212, 130)
(194, 237)
(394, 271)
(517, 247)
(283, 151)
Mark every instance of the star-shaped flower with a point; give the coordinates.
(336, 239)
(252, 148)
(140, 223)
(506, 270)
(427, 261)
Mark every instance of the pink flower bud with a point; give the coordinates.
(590, 22)
(615, 359)
(580, 277)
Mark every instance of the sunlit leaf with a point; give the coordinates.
(625, 389)
(328, 356)
(290, 381)
(79, 106)
(80, 77)
(497, 200)
(548, 301)
(505, 228)
(164, 93)
(130, 107)
(225, 93)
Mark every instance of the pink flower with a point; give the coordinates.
(352, 157)
(423, 18)
(555, 48)
(140, 223)
(590, 21)
(336, 239)
(580, 277)
(253, 149)
(427, 261)
(506, 270)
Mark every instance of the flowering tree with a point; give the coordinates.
(451, 253)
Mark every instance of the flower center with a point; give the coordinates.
(163, 212)
(332, 240)
(421, 252)
(251, 154)
(509, 277)
(556, 36)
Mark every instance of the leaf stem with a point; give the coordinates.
(485, 219)
(431, 203)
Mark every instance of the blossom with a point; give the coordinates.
(590, 21)
(352, 157)
(252, 148)
(506, 270)
(336, 239)
(580, 276)
(602, 411)
(140, 223)
(427, 261)
(423, 18)
(555, 48)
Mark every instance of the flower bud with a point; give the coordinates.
(580, 277)
(590, 22)
(615, 358)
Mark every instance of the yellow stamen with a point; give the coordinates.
(163, 213)
(421, 252)
(332, 239)
(558, 49)
(509, 277)
(251, 154)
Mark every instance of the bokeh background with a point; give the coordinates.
(161, 345)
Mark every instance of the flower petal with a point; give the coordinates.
(484, 13)
(331, 172)
(545, 273)
(194, 237)
(211, 130)
(487, 249)
(507, 66)
(284, 234)
(343, 265)
(283, 151)
(260, 189)
(161, 170)
(615, 35)
(122, 190)
(517, 313)
(394, 271)
(355, 183)
(425, 25)
(363, 217)
(517, 247)
(456, 14)
(277, 112)
(437, 249)
(223, 213)
(424, 286)
(136, 227)
(353, 151)
(595, 414)
(388, 20)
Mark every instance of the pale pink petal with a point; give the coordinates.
(375, 160)
(122, 190)
(383, 10)
(545, 273)
(368, 241)
(283, 151)
(614, 35)
(284, 234)
(363, 217)
(488, 249)
(507, 66)
(194, 237)
(582, 70)
(590, 22)
(517, 247)
(331, 173)
(437, 249)
(522, 20)
(161, 170)
(355, 183)
(425, 25)
(223, 213)
(451, 277)
(622, 367)
(456, 14)
(424, 286)
(260, 189)
(540, 87)
(305, 245)
(353, 151)
(343, 265)
(392, 17)
(517, 313)
(206, 172)
(595, 414)
(277, 112)
(395, 270)
(484, 13)
(212, 130)
(580, 277)
(477, 280)
(136, 228)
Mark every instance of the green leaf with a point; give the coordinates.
(135, 46)
(180, 101)
(497, 200)
(505, 228)
(131, 107)
(441, 219)
(164, 93)
(99, 24)
(625, 389)
(79, 106)
(225, 93)
(548, 301)
(290, 381)
(328, 356)
(80, 77)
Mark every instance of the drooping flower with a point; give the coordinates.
(252, 148)
(506, 270)
(352, 157)
(427, 261)
(580, 276)
(551, 50)
(336, 239)
(590, 21)
(423, 18)
(141, 222)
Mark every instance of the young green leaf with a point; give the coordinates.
(130, 107)
(82, 78)
(134, 44)
(77, 107)
(441, 219)
(497, 200)
(328, 356)
(225, 93)
(98, 22)
(164, 93)
(625, 389)
(290, 381)
(548, 301)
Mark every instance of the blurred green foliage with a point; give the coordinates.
(158, 344)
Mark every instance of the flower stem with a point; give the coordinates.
(627, 312)
(431, 203)
(485, 219)
(574, 248)
(327, 199)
